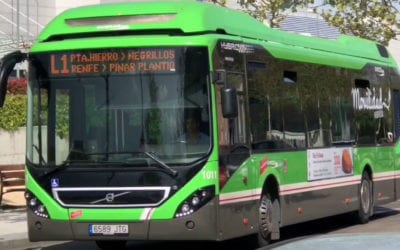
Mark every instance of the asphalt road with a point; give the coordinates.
(385, 220)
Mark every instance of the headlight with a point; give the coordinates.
(36, 206)
(195, 201)
(32, 202)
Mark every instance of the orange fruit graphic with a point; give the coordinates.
(347, 163)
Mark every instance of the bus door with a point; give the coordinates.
(237, 180)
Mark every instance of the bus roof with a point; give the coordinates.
(185, 17)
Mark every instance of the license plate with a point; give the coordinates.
(104, 229)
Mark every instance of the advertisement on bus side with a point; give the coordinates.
(329, 163)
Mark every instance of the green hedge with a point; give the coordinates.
(13, 114)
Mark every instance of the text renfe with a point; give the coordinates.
(117, 62)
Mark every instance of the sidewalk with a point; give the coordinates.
(13, 227)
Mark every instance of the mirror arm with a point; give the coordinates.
(219, 77)
(7, 64)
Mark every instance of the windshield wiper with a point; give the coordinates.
(151, 155)
(64, 165)
(154, 157)
(68, 163)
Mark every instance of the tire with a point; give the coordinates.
(366, 199)
(111, 244)
(269, 217)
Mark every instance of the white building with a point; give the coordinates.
(394, 48)
(21, 21)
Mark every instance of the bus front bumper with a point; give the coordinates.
(202, 225)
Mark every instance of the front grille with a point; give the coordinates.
(111, 196)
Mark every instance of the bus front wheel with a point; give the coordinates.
(268, 220)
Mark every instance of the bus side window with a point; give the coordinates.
(372, 122)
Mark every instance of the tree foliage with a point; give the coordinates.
(371, 19)
(272, 11)
(13, 114)
(219, 2)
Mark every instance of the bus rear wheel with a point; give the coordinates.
(111, 244)
(366, 199)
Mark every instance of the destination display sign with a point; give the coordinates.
(127, 61)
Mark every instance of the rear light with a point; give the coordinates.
(195, 201)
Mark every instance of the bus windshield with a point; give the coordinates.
(119, 106)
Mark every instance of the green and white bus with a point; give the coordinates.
(290, 128)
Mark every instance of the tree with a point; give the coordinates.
(272, 11)
(371, 19)
(219, 2)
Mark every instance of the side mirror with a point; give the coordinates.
(7, 64)
(229, 102)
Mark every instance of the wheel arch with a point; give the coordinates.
(271, 186)
(367, 169)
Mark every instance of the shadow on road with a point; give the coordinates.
(241, 244)
(327, 225)
(288, 234)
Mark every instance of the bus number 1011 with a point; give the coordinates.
(210, 175)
